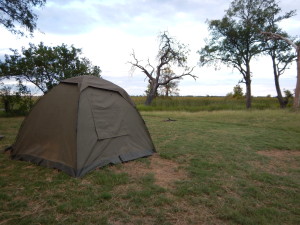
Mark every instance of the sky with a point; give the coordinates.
(108, 31)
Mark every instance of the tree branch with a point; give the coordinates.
(188, 73)
(279, 37)
(136, 64)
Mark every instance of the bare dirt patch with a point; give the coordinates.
(166, 172)
(280, 161)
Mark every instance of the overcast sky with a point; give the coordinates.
(108, 30)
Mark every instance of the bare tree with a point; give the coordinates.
(296, 46)
(170, 53)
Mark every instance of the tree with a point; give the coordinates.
(170, 88)
(288, 95)
(18, 102)
(7, 99)
(278, 50)
(21, 12)
(296, 46)
(235, 39)
(282, 57)
(46, 66)
(170, 53)
(237, 91)
(147, 91)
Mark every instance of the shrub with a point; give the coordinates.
(16, 103)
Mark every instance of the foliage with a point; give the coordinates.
(16, 103)
(171, 53)
(20, 12)
(288, 96)
(46, 66)
(241, 167)
(7, 99)
(235, 39)
(237, 91)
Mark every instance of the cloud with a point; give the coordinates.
(65, 19)
(143, 17)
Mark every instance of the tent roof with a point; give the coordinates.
(92, 81)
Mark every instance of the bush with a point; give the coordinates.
(16, 103)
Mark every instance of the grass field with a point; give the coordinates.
(196, 104)
(221, 167)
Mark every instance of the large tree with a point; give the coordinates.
(171, 53)
(279, 51)
(13, 12)
(46, 66)
(235, 39)
(296, 46)
(282, 57)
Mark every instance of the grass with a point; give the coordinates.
(241, 167)
(196, 104)
(193, 104)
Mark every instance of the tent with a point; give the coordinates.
(83, 123)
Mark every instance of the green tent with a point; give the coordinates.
(83, 123)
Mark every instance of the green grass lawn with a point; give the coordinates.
(221, 167)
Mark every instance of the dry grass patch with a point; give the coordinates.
(280, 153)
(183, 213)
(279, 161)
(166, 172)
(165, 207)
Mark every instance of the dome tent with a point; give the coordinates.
(83, 123)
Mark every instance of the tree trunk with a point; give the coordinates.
(282, 102)
(248, 94)
(152, 93)
(248, 87)
(167, 91)
(297, 91)
(7, 107)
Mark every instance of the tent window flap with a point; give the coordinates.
(108, 114)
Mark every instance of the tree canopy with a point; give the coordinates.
(46, 66)
(20, 12)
